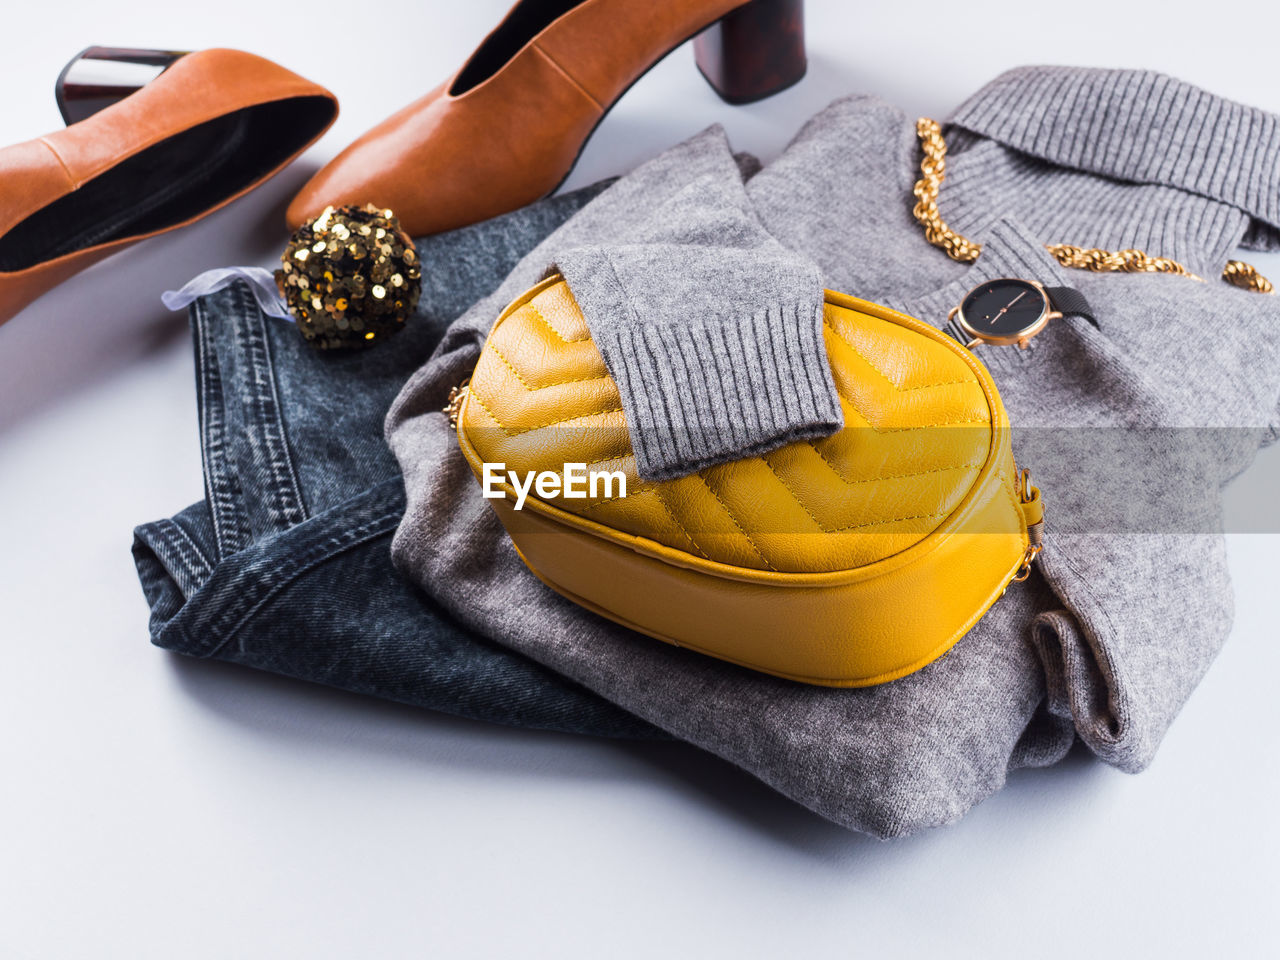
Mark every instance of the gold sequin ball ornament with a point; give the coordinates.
(351, 277)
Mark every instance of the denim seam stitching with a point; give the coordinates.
(228, 521)
(237, 615)
(169, 554)
(187, 552)
(288, 508)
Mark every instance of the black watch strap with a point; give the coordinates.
(1068, 301)
(956, 332)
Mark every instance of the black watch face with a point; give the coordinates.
(1003, 308)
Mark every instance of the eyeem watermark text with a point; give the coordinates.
(576, 483)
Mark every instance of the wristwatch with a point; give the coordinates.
(1008, 311)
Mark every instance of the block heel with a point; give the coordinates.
(98, 77)
(754, 51)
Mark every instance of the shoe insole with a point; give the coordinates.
(168, 183)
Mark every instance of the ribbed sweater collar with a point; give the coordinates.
(1116, 159)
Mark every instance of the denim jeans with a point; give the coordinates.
(286, 565)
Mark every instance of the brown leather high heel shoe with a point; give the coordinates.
(508, 127)
(207, 127)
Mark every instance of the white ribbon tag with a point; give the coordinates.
(261, 282)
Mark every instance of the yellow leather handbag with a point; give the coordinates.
(846, 561)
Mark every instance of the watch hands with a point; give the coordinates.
(1005, 308)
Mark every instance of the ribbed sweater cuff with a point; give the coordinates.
(724, 388)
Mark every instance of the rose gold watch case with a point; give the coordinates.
(1023, 336)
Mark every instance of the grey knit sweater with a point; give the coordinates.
(1132, 428)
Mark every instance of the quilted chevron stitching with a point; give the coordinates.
(759, 553)
(603, 500)
(786, 486)
(852, 526)
(845, 397)
(893, 476)
(925, 426)
(545, 386)
(624, 457)
(655, 492)
(652, 492)
(640, 488)
(537, 426)
(559, 336)
(680, 526)
(884, 376)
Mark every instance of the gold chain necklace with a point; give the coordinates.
(933, 169)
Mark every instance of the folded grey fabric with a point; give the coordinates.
(711, 329)
(1119, 620)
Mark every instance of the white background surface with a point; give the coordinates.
(156, 807)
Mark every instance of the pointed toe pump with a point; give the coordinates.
(156, 140)
(508, 127)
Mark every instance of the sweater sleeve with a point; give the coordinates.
(711, 328)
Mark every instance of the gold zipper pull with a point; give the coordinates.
(454, 405)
